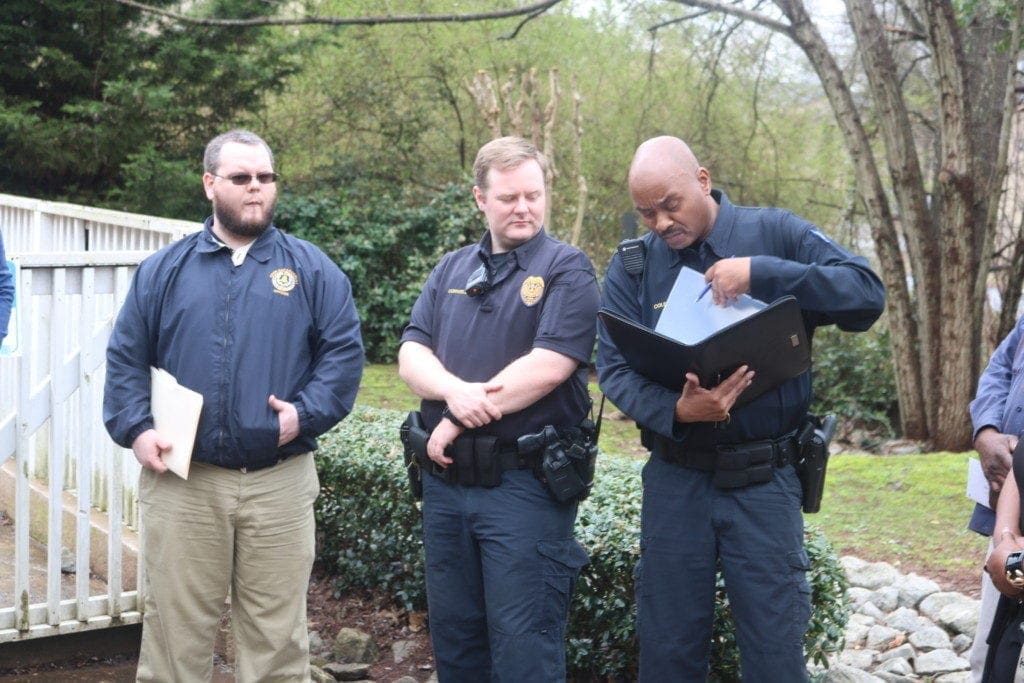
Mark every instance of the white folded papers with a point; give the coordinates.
(175, 418)
(690, 321)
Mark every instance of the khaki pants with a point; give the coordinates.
(221, 529)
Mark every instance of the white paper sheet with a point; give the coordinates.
(175, 417)
(690, 321)
(977, 484)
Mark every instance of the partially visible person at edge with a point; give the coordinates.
(501, 561)
(998, 421)
(688, 526)
(263, 325)
(6, 292)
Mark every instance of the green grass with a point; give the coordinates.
(909, 510)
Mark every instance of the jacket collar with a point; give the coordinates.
(260, 250)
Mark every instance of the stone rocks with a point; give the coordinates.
(904, 629)
(913, 589)
(318, 675)
(354, 646)
(961, 617)
(354, 654)
(401, 649)
(348, 672)
(931, 638)
(870, 575)
(939, 662)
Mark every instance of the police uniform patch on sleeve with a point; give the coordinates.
(820, 235)
(532, 290)
(284, 280)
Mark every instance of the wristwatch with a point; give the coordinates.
(447, 413)
(1014, 570)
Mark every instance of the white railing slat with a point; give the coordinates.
(76, 265)
(87, 404)
(55, 456)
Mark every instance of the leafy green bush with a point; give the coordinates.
(371, 537)
(369, 530)
(853, 377)
(386, 244)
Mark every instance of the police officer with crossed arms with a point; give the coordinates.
(497, 347)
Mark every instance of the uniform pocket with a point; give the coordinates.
(799, 565)
(561, 561)
(259, 428)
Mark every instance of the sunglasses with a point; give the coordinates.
(246, 178)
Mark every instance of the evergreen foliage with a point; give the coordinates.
(386, 244)
(854, 377)
(101, 104)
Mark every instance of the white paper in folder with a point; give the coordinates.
(175, 417)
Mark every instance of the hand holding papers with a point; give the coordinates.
(175, 417)
(712, 341)
(689, 321)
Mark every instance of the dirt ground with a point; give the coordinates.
(327, 615)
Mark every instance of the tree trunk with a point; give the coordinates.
(908, 186)
(902, 322)
(957, 345)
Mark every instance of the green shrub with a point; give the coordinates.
(371, 538)
(853, 377)
(369, 531)
(386, 244)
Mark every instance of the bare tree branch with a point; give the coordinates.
(904, 32)
(527, 19)
(677, 20)
(530, 11)
(741, 12)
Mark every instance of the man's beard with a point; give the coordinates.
(232, 221)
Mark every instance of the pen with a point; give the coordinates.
(707, 287)
(703, 291)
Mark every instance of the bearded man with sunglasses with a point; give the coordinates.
(263, 325)
(497, 347)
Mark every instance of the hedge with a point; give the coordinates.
(370, 538)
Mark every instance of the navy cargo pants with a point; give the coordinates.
(501, 565)
(757, 532)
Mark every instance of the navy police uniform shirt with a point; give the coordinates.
(544, 296)
(788, 256)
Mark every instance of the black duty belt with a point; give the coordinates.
(480, 461)
(784, 451)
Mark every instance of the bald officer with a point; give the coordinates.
(688, 525)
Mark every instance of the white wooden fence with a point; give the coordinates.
(67, 486)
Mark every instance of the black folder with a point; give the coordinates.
(773, 342)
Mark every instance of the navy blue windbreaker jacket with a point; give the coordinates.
(281, 323)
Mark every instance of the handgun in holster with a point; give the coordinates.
(567, 460)
(414, 437)
(813, 439)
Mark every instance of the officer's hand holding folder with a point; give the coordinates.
(712, 341)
